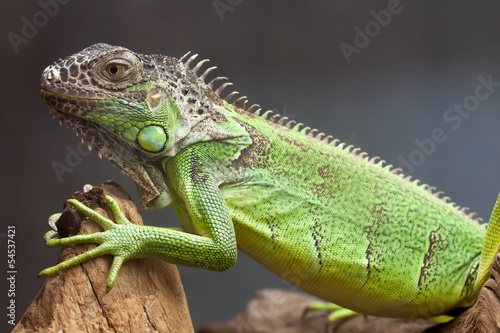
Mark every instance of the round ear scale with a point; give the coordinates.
(152, 138)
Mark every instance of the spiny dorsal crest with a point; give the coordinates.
(284, 121)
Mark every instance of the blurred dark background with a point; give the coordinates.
(284, 55)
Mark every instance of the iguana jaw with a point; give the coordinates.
(128, 159)
(82, 125)
(60, 105)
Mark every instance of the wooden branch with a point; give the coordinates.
(279, 311)
(484, 316)
(147, 297)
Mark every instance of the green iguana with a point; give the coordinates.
(319, 214)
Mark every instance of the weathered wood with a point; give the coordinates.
(147, 297)
(484, 316)
(279, 311)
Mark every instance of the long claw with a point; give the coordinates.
(324, 306)
(119, 217)
(95, 216)
(87, 188)
(78, 239)
(53, 219)
(340, 314)
(91, 254)
(51, 234)
(336, 311)
(113, 272)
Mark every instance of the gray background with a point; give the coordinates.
(284, 55)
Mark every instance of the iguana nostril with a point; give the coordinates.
(52, 75)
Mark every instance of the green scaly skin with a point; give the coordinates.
(318, 214)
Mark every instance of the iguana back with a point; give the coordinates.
(348, 230)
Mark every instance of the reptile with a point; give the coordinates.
(318, 213)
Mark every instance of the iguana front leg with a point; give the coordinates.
(214, 248)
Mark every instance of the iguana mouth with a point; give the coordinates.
(85, 127)
(68, 107)
(59, 94)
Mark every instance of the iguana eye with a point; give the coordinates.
(115, 70)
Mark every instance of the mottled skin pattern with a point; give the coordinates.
(318, 214)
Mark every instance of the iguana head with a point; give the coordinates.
(134, 109)
(149, 102)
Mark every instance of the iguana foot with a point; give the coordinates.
(336, 311)
(441, 319)
(121, 239)
(54, 232)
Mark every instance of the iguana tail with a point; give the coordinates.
(490, 247)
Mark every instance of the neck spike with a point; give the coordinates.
(198, 66)
(219, 90)
(211, 83)
(181, 59)
(208, 70)
(190, 60)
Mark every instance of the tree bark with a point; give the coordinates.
(147, 297)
